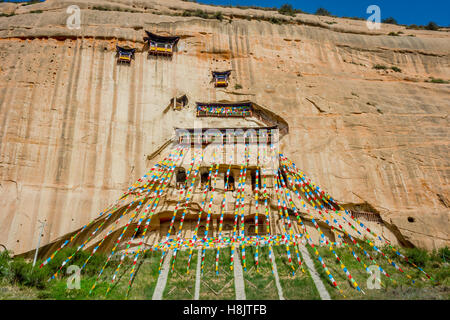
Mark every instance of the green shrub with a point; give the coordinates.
(275, 20)
(433, 80)
(432, 26)
(23, 273)
(237, 86)
(5, 260)
(93, 267)
(322, 12)
(396, 69)
(218, 15)
(389, 20)
(287, 10)
(414, 27)
(100, 8)
(418, 256)
(380, 67)
(437, 80)
(353, 18)
(200, 13)
(442, 255)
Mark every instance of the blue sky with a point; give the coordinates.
(404, 11)
(418, 12)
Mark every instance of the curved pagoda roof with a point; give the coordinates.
(221, 73)
(126, 49)
(158, 38)
(226, 103)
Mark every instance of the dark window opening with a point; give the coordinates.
(201, 232)
(253, 177)
(411, 219)
(181, 178)
(283, 177)
(140, 231)
(230, 184)
(204, 179)
(251, 230)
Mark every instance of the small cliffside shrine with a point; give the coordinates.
(228, 186)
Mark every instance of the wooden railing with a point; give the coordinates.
(368, 216)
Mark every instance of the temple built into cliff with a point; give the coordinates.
(228, 185)
(219, 187)
(220, 173)
(220, 78)
(125, 54)
(161, 45)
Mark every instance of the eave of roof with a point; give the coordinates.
(152, 36)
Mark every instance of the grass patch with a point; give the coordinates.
(146, 277)
(100, 8)
(203, 14)
(259, 285)
(288, 10)
(18, 280)
(380, 67)
(383, 67)
(430, 26)
(217, 287)
(400, 290)
(20, 276)
(298, 287)
(437, 80)
(180, 285)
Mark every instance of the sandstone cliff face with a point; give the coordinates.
(76, 128)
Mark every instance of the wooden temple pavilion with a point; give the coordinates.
(221, 78)
(161, 45)
(125, 54)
